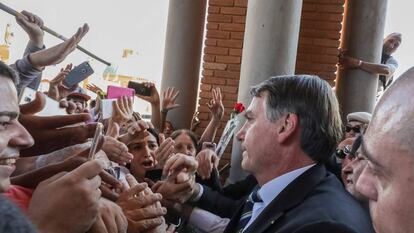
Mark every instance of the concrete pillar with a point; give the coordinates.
(362, 38)
(183, 46)
(270, 47)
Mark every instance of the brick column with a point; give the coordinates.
(270, 47)
(362, 38)
(185, 28)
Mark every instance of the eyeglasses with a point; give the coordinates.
(356, 129)
(342, 153)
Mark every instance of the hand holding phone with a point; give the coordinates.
(78, 74)
(95, 141)
(140, 88)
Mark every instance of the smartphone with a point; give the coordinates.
(95, 141)
(140, 88)
(51, 108)
(209, 145)
(78, 74)
(113, 92)
(106, 108)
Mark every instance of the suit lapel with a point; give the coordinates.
(290, 197)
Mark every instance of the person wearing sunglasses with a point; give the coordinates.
(356, 123)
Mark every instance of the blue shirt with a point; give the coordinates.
(271, 190)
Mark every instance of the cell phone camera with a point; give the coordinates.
(84, 71)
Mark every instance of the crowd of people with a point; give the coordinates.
(309, 171)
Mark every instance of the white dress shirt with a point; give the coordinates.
(271, 190)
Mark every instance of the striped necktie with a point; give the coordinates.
(248, 209)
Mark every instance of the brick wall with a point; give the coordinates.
(319, 38)
(317, 50)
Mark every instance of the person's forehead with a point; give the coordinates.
(8, 95)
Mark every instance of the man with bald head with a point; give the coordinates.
(388, 146)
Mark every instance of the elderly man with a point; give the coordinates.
(388, 179)
(293, 125)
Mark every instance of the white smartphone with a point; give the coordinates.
(106, 108)
(51, 108)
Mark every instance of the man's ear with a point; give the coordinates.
(288, 127)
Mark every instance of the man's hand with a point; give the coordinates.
(164, 151)
(32, 24)
(169, 97)
(68, 202)
(52, 133)
(347, 61)
(207, 160)
(154, 98)
(58, 53)
(111, 219)
(216, 104)
(173, 191)
(179, 162)
(141, 207)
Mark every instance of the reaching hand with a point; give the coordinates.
(55, 132)
(164, 151)
(57, 90)
(216, 104)
(110, 219)
(114, 149)
(195, 122)
(141, 207)
(154, 98)
(122, 110)
(58, 53)
(169, 98)
(95, 89)
(136, 130)
(68, 202)
(32, 24)
(35, 106)
(179, 162)
(207, 160)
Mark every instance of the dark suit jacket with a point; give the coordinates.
(314, 202)
(225, 201)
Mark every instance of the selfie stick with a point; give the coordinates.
(53, 33)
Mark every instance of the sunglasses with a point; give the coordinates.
(356, 129)
(342, 153)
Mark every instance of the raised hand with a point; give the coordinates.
(114, 149)
(31, 24)
(154, 98)
(216, 104)
(95, 89)
(56, 54)
(169, 97)
(195, 121)
(207, 160)
(110, 219)
(57, 90)
(136, 130)
(122, 110)
(164, 151)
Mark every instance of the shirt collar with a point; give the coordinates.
(271, 189)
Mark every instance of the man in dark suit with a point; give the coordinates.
(292, 127)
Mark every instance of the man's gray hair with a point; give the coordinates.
(316, 106)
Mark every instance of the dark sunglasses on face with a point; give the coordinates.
(342, 153)
(356, 129)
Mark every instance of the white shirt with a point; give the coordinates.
(205, 221)
(271, 190)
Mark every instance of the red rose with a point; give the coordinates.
(239, 107)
